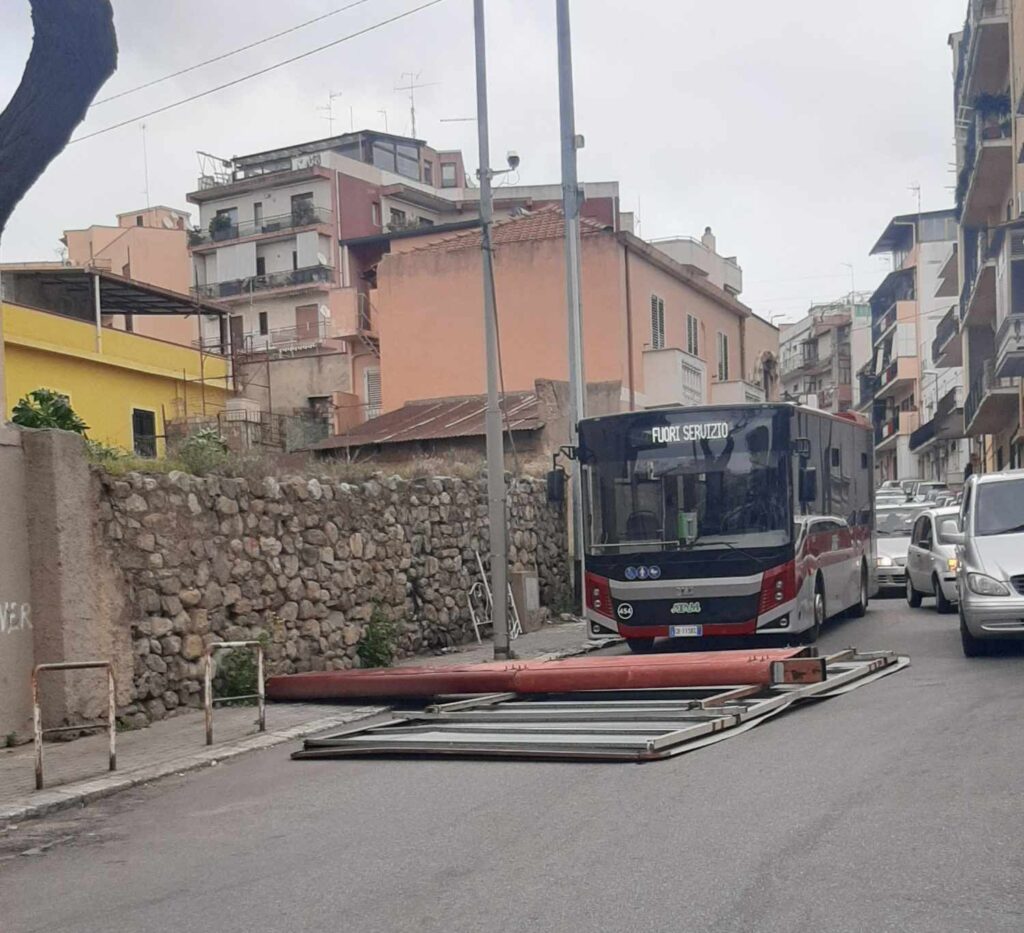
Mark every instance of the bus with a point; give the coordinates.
(720, 521)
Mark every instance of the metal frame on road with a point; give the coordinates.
(605, 725)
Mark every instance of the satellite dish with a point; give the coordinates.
(321, 259)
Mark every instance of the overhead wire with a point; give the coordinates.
(224, 55)
(256, 74)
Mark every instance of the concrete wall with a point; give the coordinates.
(294, 379)
(16, 635)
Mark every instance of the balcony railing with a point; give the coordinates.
(981, 387)
(977, 11)
(947, 329)
(1010, 346)
(982, 129)
(300, 217)
(869, 383)
(310, 275)
(923, 435)
(883, 324)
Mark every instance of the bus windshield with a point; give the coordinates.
(677, 480)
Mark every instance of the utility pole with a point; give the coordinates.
(571, 208)
(495, 446)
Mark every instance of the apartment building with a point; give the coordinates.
(819, 354)
(899, 388)
(289, 240)
(659, 328)
(984, 332)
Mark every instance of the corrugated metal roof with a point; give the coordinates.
(437, 419)
(548, 223)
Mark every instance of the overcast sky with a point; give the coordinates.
(794, 129)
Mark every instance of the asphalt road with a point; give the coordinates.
(894, 808)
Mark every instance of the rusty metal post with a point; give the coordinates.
(112, 716)
(208, 698)
(37, 728)
(260, 692)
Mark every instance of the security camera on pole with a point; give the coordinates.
(495, 443)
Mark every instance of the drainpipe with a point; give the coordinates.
(629, 334)
(98, 309)
(743, 349)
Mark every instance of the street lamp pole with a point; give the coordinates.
(495, 446)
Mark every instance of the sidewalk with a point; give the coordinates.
(75, 772)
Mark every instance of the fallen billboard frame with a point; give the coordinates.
(603, 725)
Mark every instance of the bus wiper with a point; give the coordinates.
(728, 544)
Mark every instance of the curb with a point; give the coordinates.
(46, 802)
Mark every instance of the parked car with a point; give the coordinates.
(928, 491)
(894, 525)
(932, 561)
(990, 549)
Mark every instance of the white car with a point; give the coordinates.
(932, 561)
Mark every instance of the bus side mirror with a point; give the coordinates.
(556, 486)
(809, 485)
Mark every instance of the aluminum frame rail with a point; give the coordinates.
(603, 725)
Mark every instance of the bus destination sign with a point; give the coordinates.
(684, 433)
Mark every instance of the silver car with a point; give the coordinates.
(894, 525)
(932, 561)
(990, 577)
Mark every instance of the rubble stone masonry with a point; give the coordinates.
(304, 561)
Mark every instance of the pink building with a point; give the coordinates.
(658, 327)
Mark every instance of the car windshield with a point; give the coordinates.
(1000, 508)
(896, 523)
(667, 481)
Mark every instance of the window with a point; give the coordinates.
(303, 212)
(723, 357)
(295, 260)
(144, 432)
(138, 220)
(657, 323)
(448, 175)
(836, 457)
(426, 222)
(257, 216)
(692, 343)
(261, 265)
(397, 218)
(371, 386)
(375, 213)
(264, 325)
(428, 172)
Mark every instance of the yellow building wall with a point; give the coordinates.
(128, 371)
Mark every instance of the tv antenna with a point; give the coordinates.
(916, 189)
(412, 87)
(145, 161)
(384, 114)
(331, 98)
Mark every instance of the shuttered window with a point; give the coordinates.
(657, 323)
(692, 343)
(373, 397)
(723, 357)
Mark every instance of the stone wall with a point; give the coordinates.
(304, 561)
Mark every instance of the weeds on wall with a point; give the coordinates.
(379, 642)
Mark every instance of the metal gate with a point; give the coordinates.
(607, 725)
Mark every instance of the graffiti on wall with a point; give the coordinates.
(15, 617)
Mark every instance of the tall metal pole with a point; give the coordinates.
(571, 197)
(495, 448)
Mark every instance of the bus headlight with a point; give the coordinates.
(884, 561)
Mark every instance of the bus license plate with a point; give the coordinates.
(685, 631)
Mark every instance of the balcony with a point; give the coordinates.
(947, 424)
(306, 216)
(978, 297)
(987, 171)
(947, 349)
(868, 387)
(888, 433)
(1010, 347)
(900, 374)
(309, 278)
(993, 404)
(984, 49)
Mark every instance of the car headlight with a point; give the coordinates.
(883, 562)
(986, 586)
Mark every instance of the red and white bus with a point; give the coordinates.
(726, 521)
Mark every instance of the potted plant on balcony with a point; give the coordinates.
(221, 227)
(994, 112)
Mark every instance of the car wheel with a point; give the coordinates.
(812, 634)
(973, 647)
(640, 645)
(913, 596)
(942, 604)
(860, 608)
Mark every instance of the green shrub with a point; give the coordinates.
(46, 408)
(106, 456)
(236, 673)
(379, 643)
(203, 452)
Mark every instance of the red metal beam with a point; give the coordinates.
(697, 669)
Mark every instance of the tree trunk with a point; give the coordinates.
(74, 51)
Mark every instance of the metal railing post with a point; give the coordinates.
(208, 697)
(37, 714)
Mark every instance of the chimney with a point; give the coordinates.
(708, 239)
